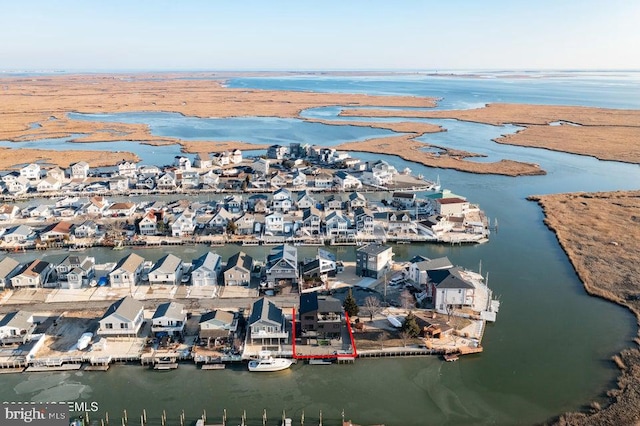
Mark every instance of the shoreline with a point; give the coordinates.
(606, 283)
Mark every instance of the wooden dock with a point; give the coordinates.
(213, 367)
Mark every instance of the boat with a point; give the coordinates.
(84, 340)
(394, 321)
(450, 357)
(266, 362)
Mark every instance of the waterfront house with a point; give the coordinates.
(277, 180)
(167, 270)
(305, 200)
(96, 206)
(364, 221)
(320, 316)
(119, 184)
(16, 327)
(311, 221)
(42, 210)
(403, 200)
(9, 267)
(19, 186)
(299, 180)
(79, 170)
(166, 182)
(145, 182)
(323, 266)
(323, 181)
(73, 261)
(31, 172)
(238, 269)
(56, 173)
(17, 234)
(453, 206)
(281, 201)
(418, 270)
(236, 156)
(400, 222)
(122, 318)
(373, 260)
(261, 166)
(148, 225)
(218, 323)
(56, 232)
(120, 210)
(210, 180)
(344, 180)
(86, 229)
(356, 200)
(450, 289)
(333, 202)
(220, 219)
(221, 159)
(8, 212)
(277, 152)
(184, 225)
(33, 274)
(182, 162)
(127, 168)
(282, 266)
(127, 271)
(245, 224)
(169, 319)
(267, 325)
(274, 224)
(205, 270)
(9, 177)
(233, 203)
(48, 184)
(188, 179)
(203, 161)
(336, 224)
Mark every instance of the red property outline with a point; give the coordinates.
(349, 355)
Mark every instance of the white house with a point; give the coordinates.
(184, 224)
(282, 201)
(418, 271)
(167, 270)
(16, 327)
(344, 180)
(17, 234)
(451, 206)
(127, 168)
(217, 323)
(127, 271)
(148, 225)
(8, 212)
(182, 163)
(169, 319)
(236, 156)
(120, 209)
(336, 224)
(451, 290)
(86, 229)
(123, 318)
(19, 186)
(203, 161)
(267, 324)
(119, 184)
(206, 269)
(8, 268)
(34, 274)
(31, 172)
(48, 184)
(261, 166)
(80, 170)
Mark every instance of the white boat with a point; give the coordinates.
(84, 340)
(394, 321)
(268, 363)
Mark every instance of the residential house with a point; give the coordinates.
(356, 200)
(205, 270)
(167, 270)
(169, 319)
(145, 182)
(400, 222)
(9, 177)
(305, 200)
(122, 318)
(119, 184)
(16, 327)
(41, 210)
(450, 290)
(336, 224)
(299, 180)
(259, 201)
(451, 206)
(182, 163)
(275, 223)
(245, 224)
(148, 225)
(373, 260)
(311, 221)
(127, 271)
(281, 201)
(166, 182)
(8, 212)
(218, 323)
(86, 229)
(33, 274)
(277, 180)
(56, 232)
(221, 159)
(267, 325)
(282, 266)
(79, 170)
(320, 316)
(9, 267)
(261, 166)
(120, 210)
(48, 184)
(56, 173)
(31, 172)
(277, 152)
(127, 168)
(188, 179)
(19, 186)
(210, 180)
(238, 269)
(74, 261)
(96, 206)
(344, 180)
(364, 221)
(220, 219)
(203, 161)
(323, 266)
(233, 203)
(333, 202)
(17, 234)
(418, 271)
(403, 200)
(323, 180)
(184, 225)
(236, 156)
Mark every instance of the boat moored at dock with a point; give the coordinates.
(267, 363)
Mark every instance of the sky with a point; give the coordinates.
(319, 35)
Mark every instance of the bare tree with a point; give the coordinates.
(372, 306)
(381, 338)
(404, 336)
(407, 300)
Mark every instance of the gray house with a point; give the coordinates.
(238, 269)
(282, 266)
(16, 327)
(373, 260)
(8, 268)
(169, 319)
(217, 323)
(267, 325)
(123, 318)
(206, 269)
(167, 270)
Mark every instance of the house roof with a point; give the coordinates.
(122, 206)
(240, 260)
(448, 278)
(129, 263)
(329, 304)
(218, 315)
(452, 200)
(407, 195)
(168, 263)
(21, 320)
(170, 310)
(34, 268)
(283, 252)
(374, 249)
(308, 303)
(207, 261)
(127, 307)
(7, 265)
(431, 264)
(60, 227)
(265, 310)
(20, 230)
